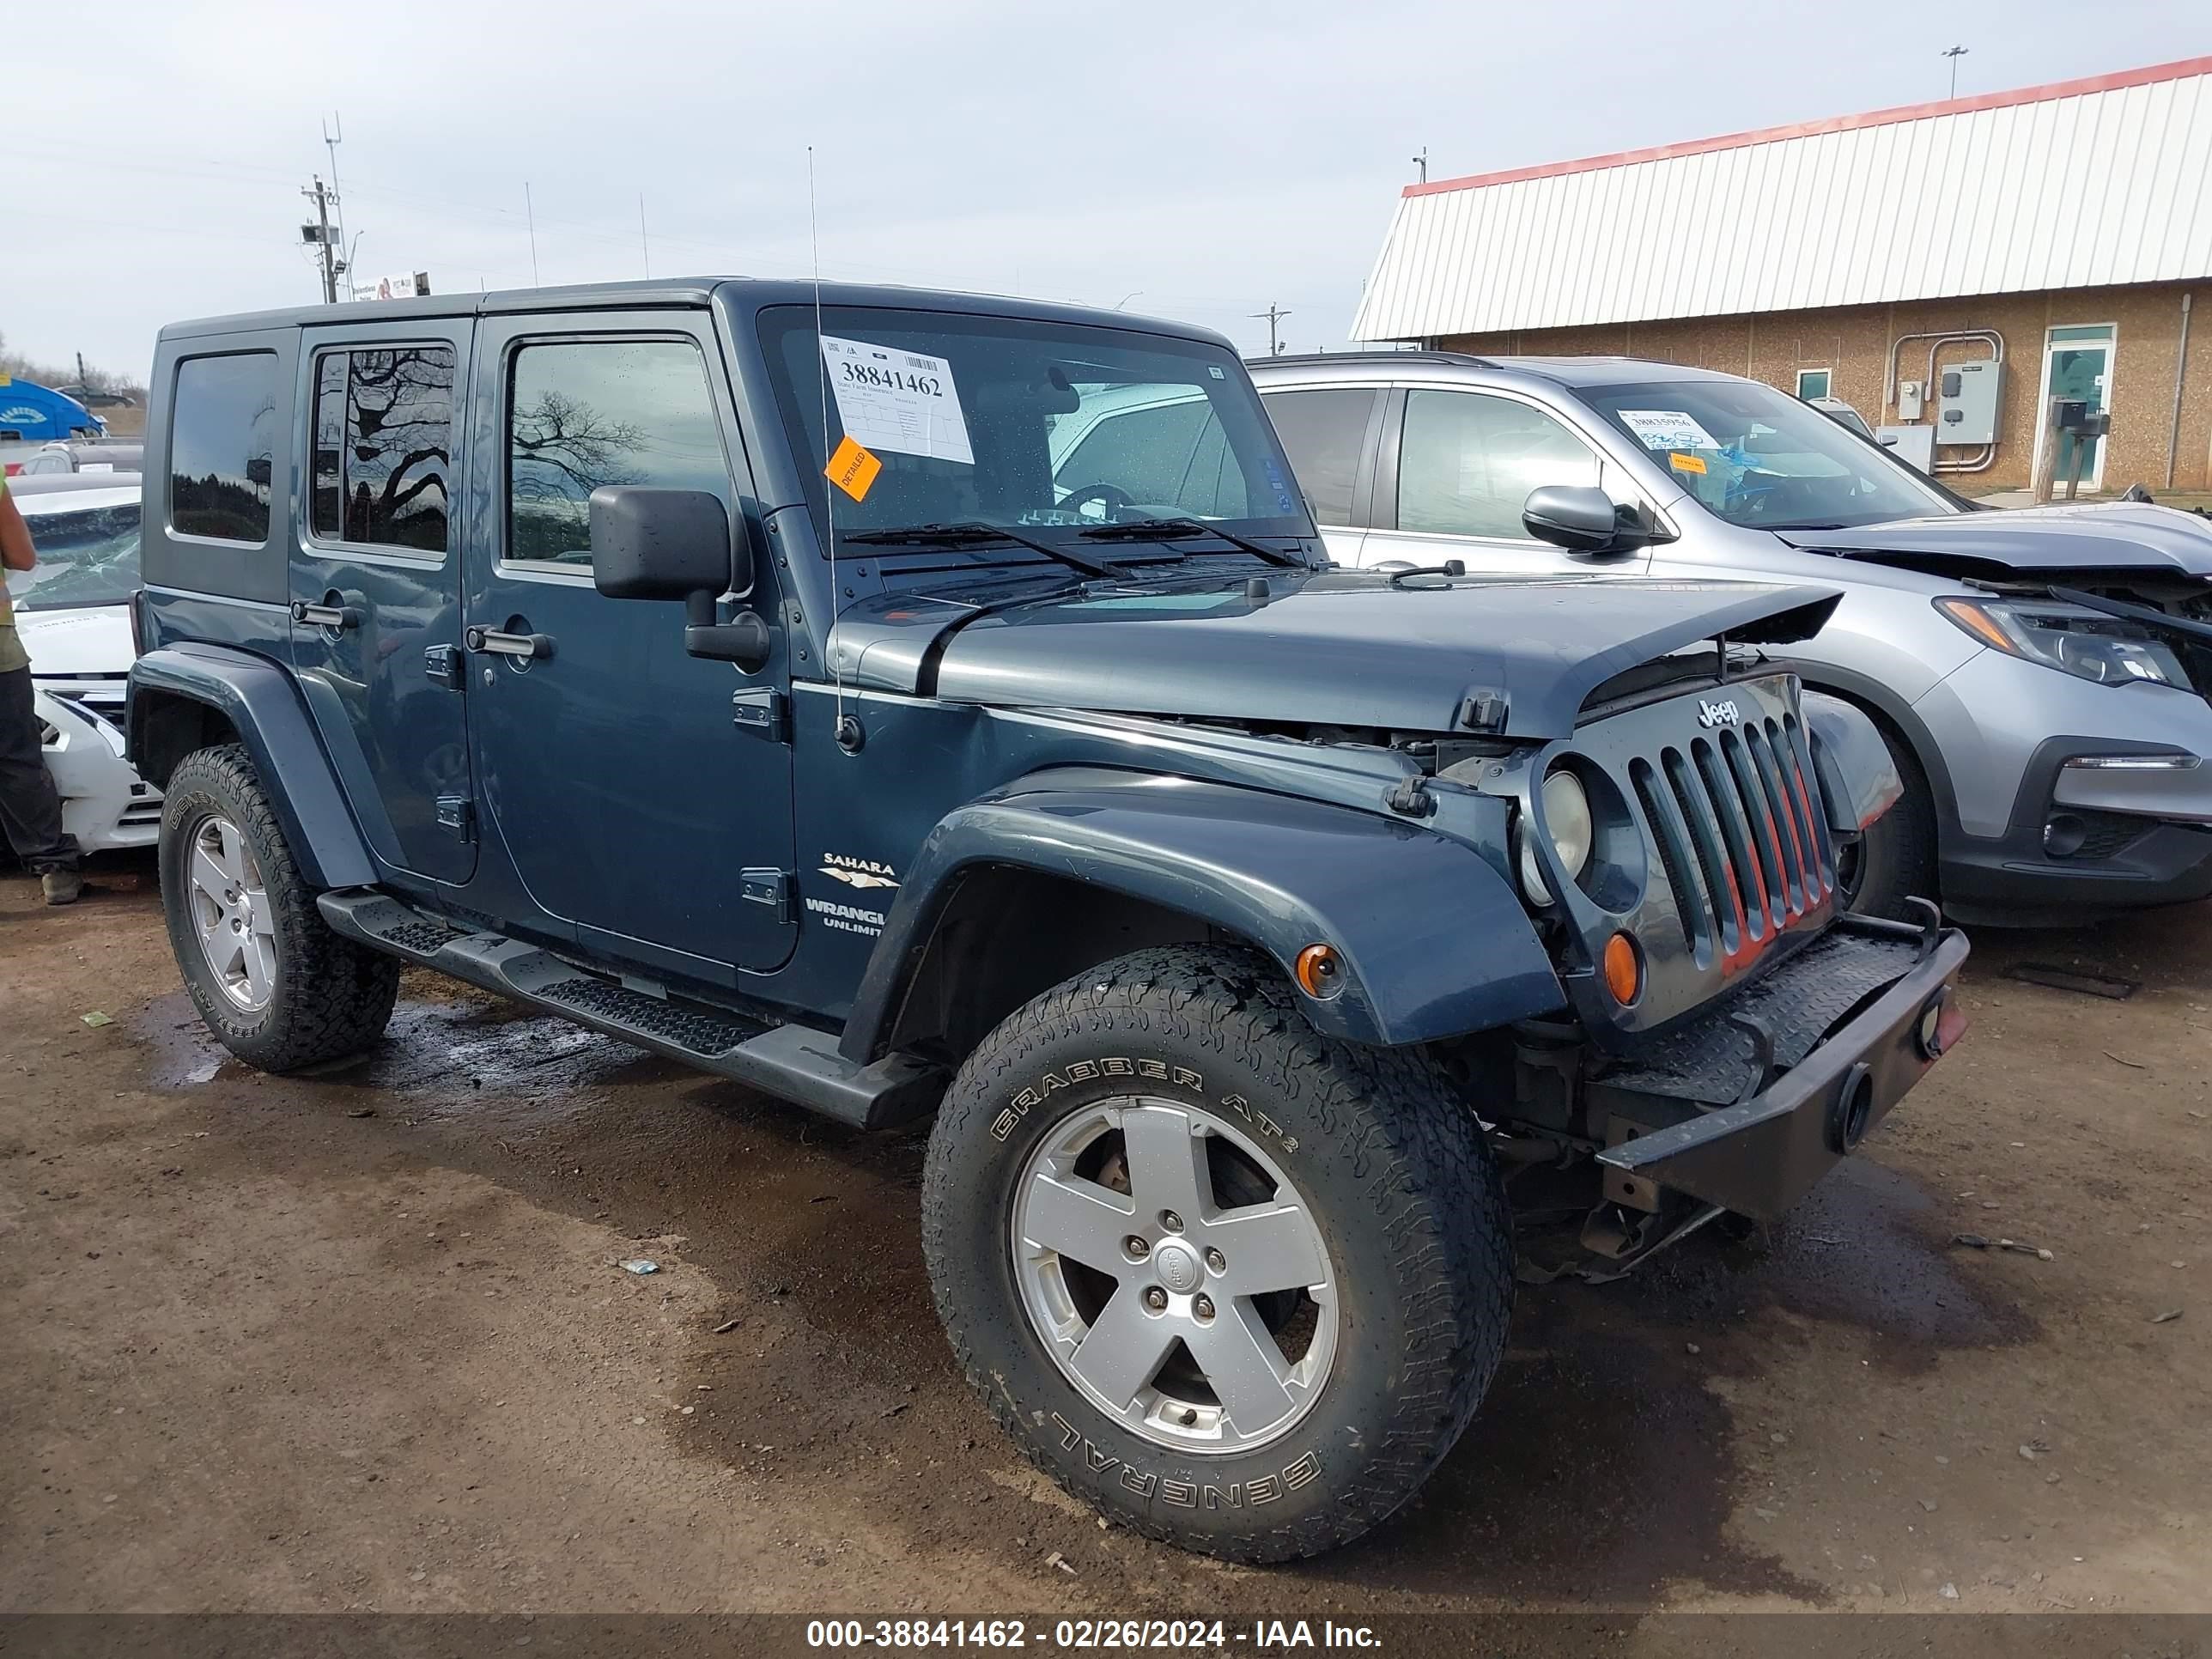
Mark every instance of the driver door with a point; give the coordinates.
(1454, 472)
(631, 803)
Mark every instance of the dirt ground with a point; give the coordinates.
(360, 1340)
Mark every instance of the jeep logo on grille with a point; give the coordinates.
(1711, 714)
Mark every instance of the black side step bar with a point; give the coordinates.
(794, 1062)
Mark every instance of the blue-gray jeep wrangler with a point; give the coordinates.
(813, 686)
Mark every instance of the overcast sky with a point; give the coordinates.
(1198, 161)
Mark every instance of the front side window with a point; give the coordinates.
(222, 428)
(88, 557)
(1325, 431)
(1756, 457)
(583, 414)
(1052, 428)
(1467, 462)
(383, 425)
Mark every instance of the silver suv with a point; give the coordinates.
(2040, 674)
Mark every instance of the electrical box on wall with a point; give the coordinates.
(1908, 400)
(1966, 403)
(1913, 445)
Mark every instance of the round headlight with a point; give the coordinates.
(1567, 817)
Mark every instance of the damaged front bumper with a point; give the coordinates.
(1747, 1106)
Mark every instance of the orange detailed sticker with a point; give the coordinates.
(1686, 462)
(853, 469)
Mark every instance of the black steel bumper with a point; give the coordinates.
(1750, 1106)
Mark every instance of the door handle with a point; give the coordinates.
(532, 645)
(338, 616)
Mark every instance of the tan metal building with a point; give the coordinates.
(2061, 234)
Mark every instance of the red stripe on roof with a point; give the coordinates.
(2136, 77)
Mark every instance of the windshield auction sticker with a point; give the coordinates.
(902, 403)
(853, 469)
(1666, 428)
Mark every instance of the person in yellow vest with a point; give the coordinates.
(30, 805)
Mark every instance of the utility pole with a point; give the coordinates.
(1422, 162)
(333, 136)
(1954, 53)
(320, 196)
(1274, 316)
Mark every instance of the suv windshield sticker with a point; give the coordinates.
(901, 401)
(1668, 428)
(853, 469)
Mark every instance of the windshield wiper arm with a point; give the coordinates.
(1170, 530)
(976, 535)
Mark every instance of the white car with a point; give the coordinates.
(73, 614)
(104, 803)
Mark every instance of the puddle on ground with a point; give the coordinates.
(435, 1055)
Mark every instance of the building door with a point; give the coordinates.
(2077, 364)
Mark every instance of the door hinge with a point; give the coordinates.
(458, 815)
(444, 665)
(770, 887)
(762, 711)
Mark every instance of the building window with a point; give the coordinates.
(221, 432)
(1812, 383)
(581, 415)
(1323, 433)
(384, 426)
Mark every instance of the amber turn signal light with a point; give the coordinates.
(1623, 969)
(1319, 971)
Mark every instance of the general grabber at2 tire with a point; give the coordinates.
(276, 986)
(1237, 1285)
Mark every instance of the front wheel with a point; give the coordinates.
(1238, 1285)
(276, 986)
(1893, 861)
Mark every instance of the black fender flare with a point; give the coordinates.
(260, 703)
(1435, 941)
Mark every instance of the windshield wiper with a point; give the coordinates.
(1171, 530)
(977, 535)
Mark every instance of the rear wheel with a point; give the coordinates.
(276, 986)
(1238, 1285)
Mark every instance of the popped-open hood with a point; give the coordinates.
(1338, 647)
(2103, 536)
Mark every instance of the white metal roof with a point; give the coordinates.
(2074, 185)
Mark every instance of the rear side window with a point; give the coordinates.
(587, 413)
(1324, 433)
(384, 431)
(222, 429)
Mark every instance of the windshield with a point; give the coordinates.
(1053, 428)
(88, 557)
(1757, 458)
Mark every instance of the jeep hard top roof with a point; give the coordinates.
(750, 293)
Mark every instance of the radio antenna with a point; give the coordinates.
(829, 485)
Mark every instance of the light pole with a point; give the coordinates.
(1954, 53)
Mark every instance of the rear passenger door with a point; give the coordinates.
(1454, 470)
(375, 583)
(1329, 434)
(627, 796)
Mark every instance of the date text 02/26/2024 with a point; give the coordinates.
(1091, 1634)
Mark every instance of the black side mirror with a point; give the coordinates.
(1579, 518)
(675, 545)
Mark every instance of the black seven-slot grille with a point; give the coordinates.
(1736, 819)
